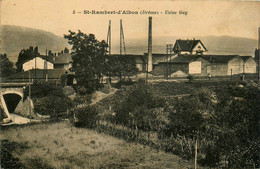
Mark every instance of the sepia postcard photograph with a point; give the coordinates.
(131, 84)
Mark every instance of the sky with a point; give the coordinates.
(203, 18)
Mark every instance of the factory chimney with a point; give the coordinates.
(258, 37)
(258, 54)
(150, 61)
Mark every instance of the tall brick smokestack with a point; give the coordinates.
(258, 55)
(150, 59)
(258, 38)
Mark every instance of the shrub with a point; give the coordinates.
(51, 105)
(86, 117)
(121, 83)
(137, 107)
(39, 90)
(48, 99)
(82, 99)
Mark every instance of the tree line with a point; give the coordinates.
(90, 61)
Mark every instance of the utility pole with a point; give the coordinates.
(258, 53)
(34, 66)
(122, 38)
(109, 37)
(231, 74)
(196, 151)
(168, 52)
(30, 107)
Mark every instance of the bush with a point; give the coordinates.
(119, 84)
(51, 105)
(48, 99)
(39, 90)
(137, 107)
(82, 99)
(86, 117)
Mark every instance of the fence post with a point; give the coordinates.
(231, 74)
(196, 148)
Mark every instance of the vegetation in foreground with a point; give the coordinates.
(60, 145)
(221, 120)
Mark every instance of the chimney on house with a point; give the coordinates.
(54, 57)
(150, 61)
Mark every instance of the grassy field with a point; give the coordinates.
(60, 145)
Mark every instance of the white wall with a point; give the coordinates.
(236, 65)
(195, 67)
(40, 64)
(250, 66)
(198, 47)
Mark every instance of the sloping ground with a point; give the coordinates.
(2, 115)
(61, 145)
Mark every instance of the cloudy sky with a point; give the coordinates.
(216, 18)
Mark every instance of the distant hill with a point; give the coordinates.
(215, 45)
(14, 38)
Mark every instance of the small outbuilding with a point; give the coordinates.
(249, 65)
(183, 65)
(224, 65)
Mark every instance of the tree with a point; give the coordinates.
(88, 55)
(24, 55)
(6, 66)
(121, 66)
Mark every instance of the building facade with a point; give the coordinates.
(38, 63)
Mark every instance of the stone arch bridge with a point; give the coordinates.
(11, 94)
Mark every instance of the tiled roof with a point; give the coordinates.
(138, 58)
(47, 58)
(245, 57)
(40, 74)
(63, 59)
(187, 45)
(219, 58)
(158, 57)
(185, 58)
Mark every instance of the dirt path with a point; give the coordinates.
(100, 96)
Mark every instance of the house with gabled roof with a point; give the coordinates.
(189, 47)
(62, 61)
(38, 62)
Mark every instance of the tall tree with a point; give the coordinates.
(6, 66)
(121, 66)
(88, 55)
(24, 55)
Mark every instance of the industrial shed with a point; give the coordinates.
(249, 65)
(183, 65)
(140, 62)
(224, 65)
